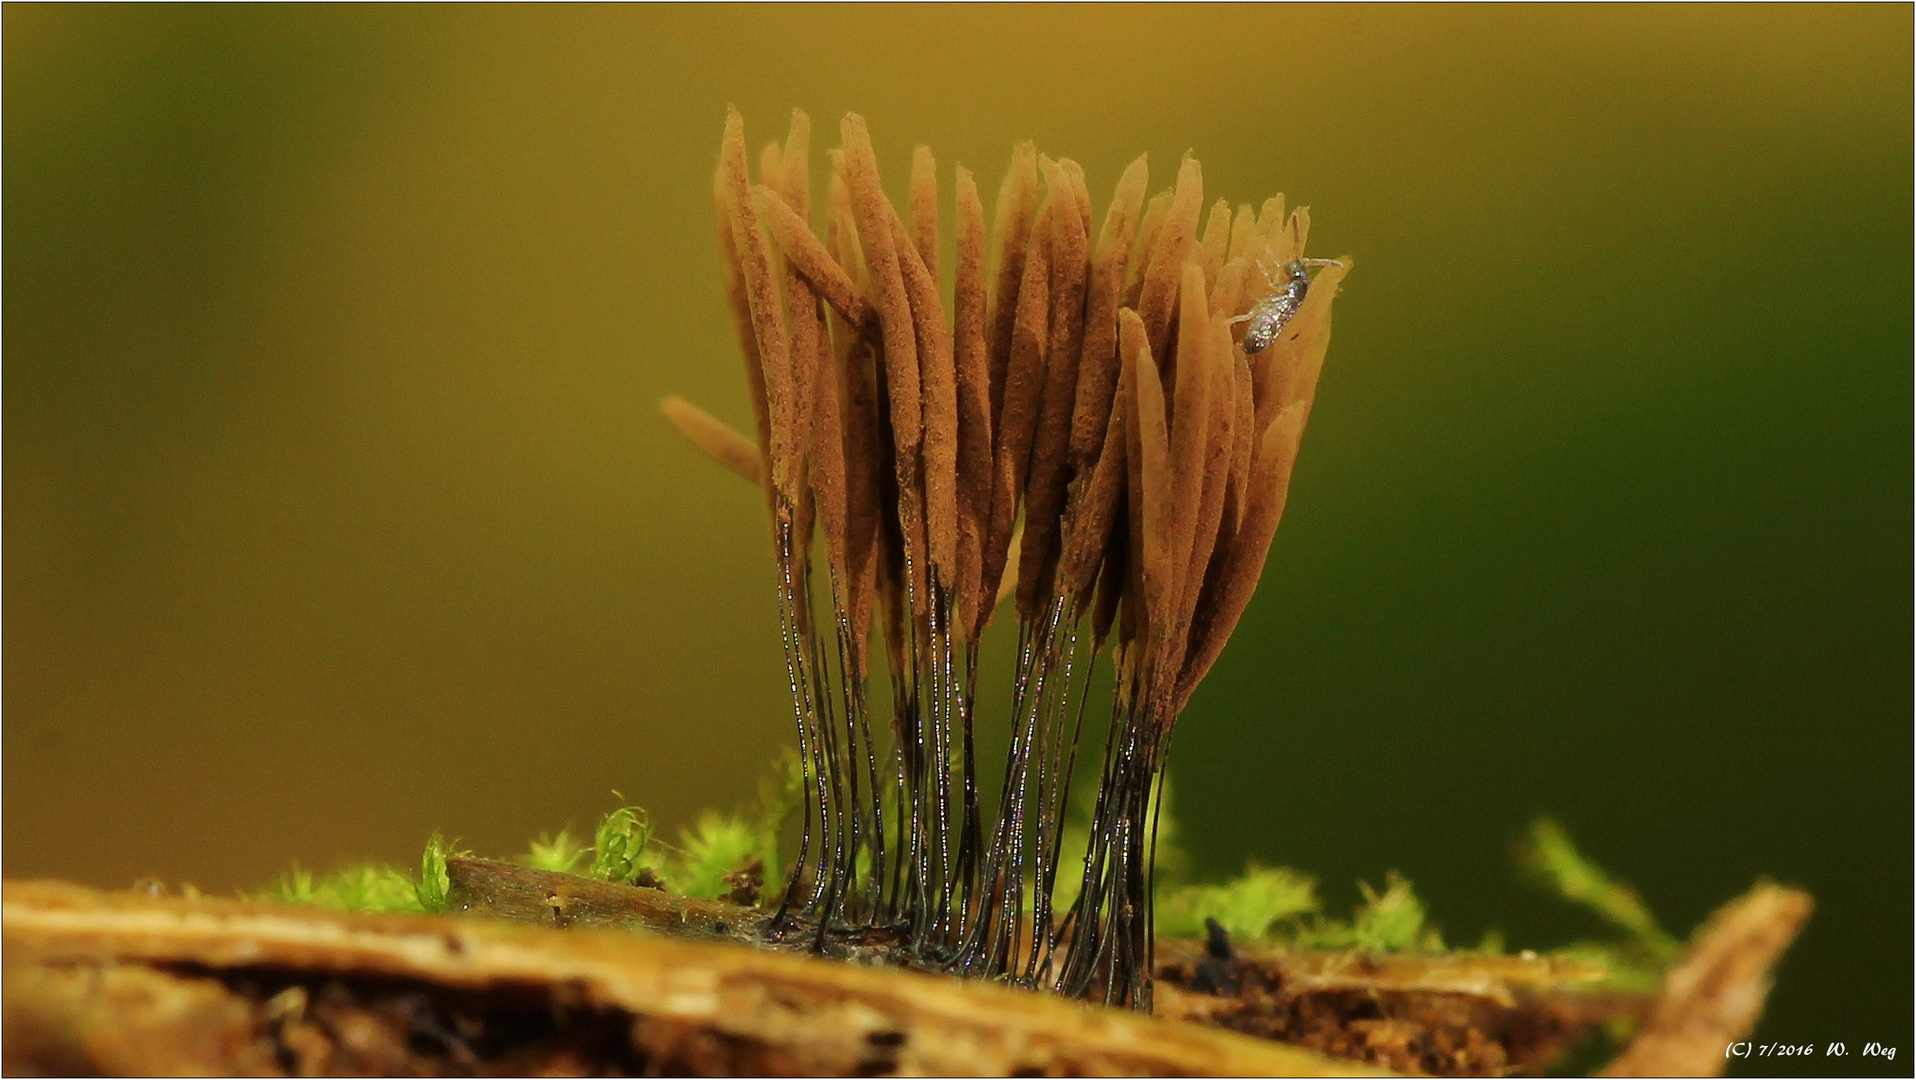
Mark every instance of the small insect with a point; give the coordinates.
(1268, 316)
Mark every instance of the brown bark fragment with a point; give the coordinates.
(1714, 995)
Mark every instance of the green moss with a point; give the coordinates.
(1249, 907)
(779, 792)
(372, 887)
(720, 844)
(619, 846)
(1274, 905)
(1277, 904)
(1550, 855)
(714, 847)
(1390, 921)
(560, 854)
(1637, 960)
(434, 886)
(1280, 905)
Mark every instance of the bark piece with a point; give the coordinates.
(1714, 995)
(653, 1004)
(1459, 1014)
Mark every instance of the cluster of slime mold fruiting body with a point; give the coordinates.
(1082, 434)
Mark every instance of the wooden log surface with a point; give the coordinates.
(126, 983)
(572, 976)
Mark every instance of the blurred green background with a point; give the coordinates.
(337, 508)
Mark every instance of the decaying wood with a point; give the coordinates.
(1447, 1015)
(101, 982)
(1460, 1014)
(564, 901)
(572, 976)
(1713, 996)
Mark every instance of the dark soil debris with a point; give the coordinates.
(1435, 1016)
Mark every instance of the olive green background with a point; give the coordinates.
(337, 507)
